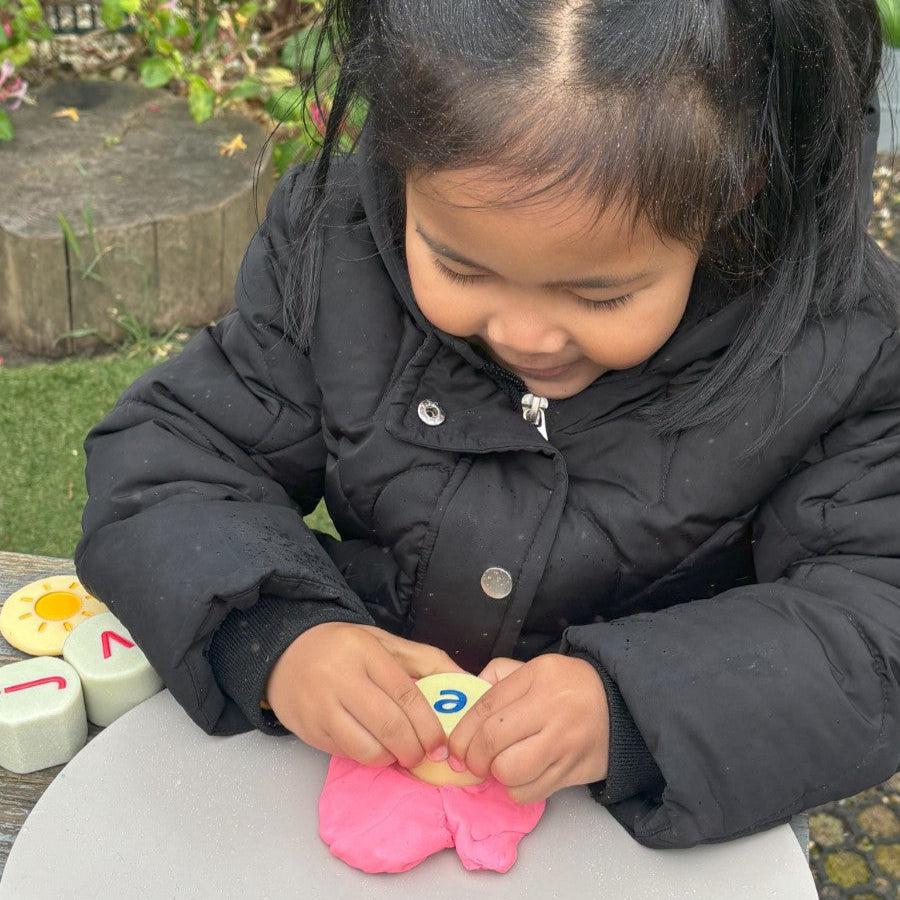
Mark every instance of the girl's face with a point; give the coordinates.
(541, 287)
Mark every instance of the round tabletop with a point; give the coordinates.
(155, 807)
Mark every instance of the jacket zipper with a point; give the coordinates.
(533, 408)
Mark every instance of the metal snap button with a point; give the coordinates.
(496, 582)
(430, 412)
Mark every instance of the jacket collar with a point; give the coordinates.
(689, 343)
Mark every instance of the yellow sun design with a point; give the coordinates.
(37, 618)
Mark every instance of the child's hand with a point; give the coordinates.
(350, 690)
(542, 727)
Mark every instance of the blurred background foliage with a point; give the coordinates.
(255, 56)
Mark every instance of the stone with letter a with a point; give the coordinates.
(451, 695)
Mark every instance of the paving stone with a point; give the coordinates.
(887, 857)
(879, 821)
(847, 869)
(826, 830)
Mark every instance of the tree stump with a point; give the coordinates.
(170, 214)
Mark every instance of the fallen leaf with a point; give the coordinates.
(228, 148)
(70, 112)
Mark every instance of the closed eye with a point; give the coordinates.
(595, 305)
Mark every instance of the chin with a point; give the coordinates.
(553, 391)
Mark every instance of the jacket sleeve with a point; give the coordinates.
(197, 482)
(772, 698)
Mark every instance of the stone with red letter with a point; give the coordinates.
(114, 672)
(42, 714)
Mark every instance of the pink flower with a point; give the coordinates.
(8, 29)
(15, 91)
(317, 116)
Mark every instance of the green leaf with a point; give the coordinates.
(356, 115)
(286, 106)
(156, 71)
(71, 238)
(248, 11)
(284, 152)
(18, 54)
(201, 99)
(209, 29)
(181, 28)
(275, 76)
(299, 50)
(890, 21)
(111, 14)
(130, 6)
(31, 10)
(163, 46)
(247, 87)
(6, 129)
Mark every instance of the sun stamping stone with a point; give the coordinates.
(114, 672)
(38, 618)
(42, 715)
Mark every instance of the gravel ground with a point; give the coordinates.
(854, 846)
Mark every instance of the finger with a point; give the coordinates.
(356, 742)
(499, 668)
(552, 780)
(423, 721)
(385, 721)
(506, 729)
(420, 660)
(525, 761)
(497, 698)
(417, 659)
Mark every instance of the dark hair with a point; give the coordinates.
(734, 126)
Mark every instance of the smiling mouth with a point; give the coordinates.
(545, 373)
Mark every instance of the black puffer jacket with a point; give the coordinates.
(745, 618)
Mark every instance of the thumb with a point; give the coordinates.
(499, 667)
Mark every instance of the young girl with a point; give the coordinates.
(596, 367)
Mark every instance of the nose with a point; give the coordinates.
(528, 337)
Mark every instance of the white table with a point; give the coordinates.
(154, 807)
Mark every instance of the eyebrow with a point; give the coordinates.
(596, 281)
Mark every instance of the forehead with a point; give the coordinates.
(485, 202)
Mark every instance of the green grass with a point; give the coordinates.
(45, 412)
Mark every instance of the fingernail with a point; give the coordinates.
(439, 755)
(456, 765)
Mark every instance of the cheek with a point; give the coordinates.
(638, 331)
(444, 305)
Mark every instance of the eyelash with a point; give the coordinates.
(595, 305)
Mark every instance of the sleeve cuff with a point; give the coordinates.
(249, 642)
(632, 768)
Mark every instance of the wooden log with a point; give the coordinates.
(161, 218)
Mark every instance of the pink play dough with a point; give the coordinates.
(386, 820)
